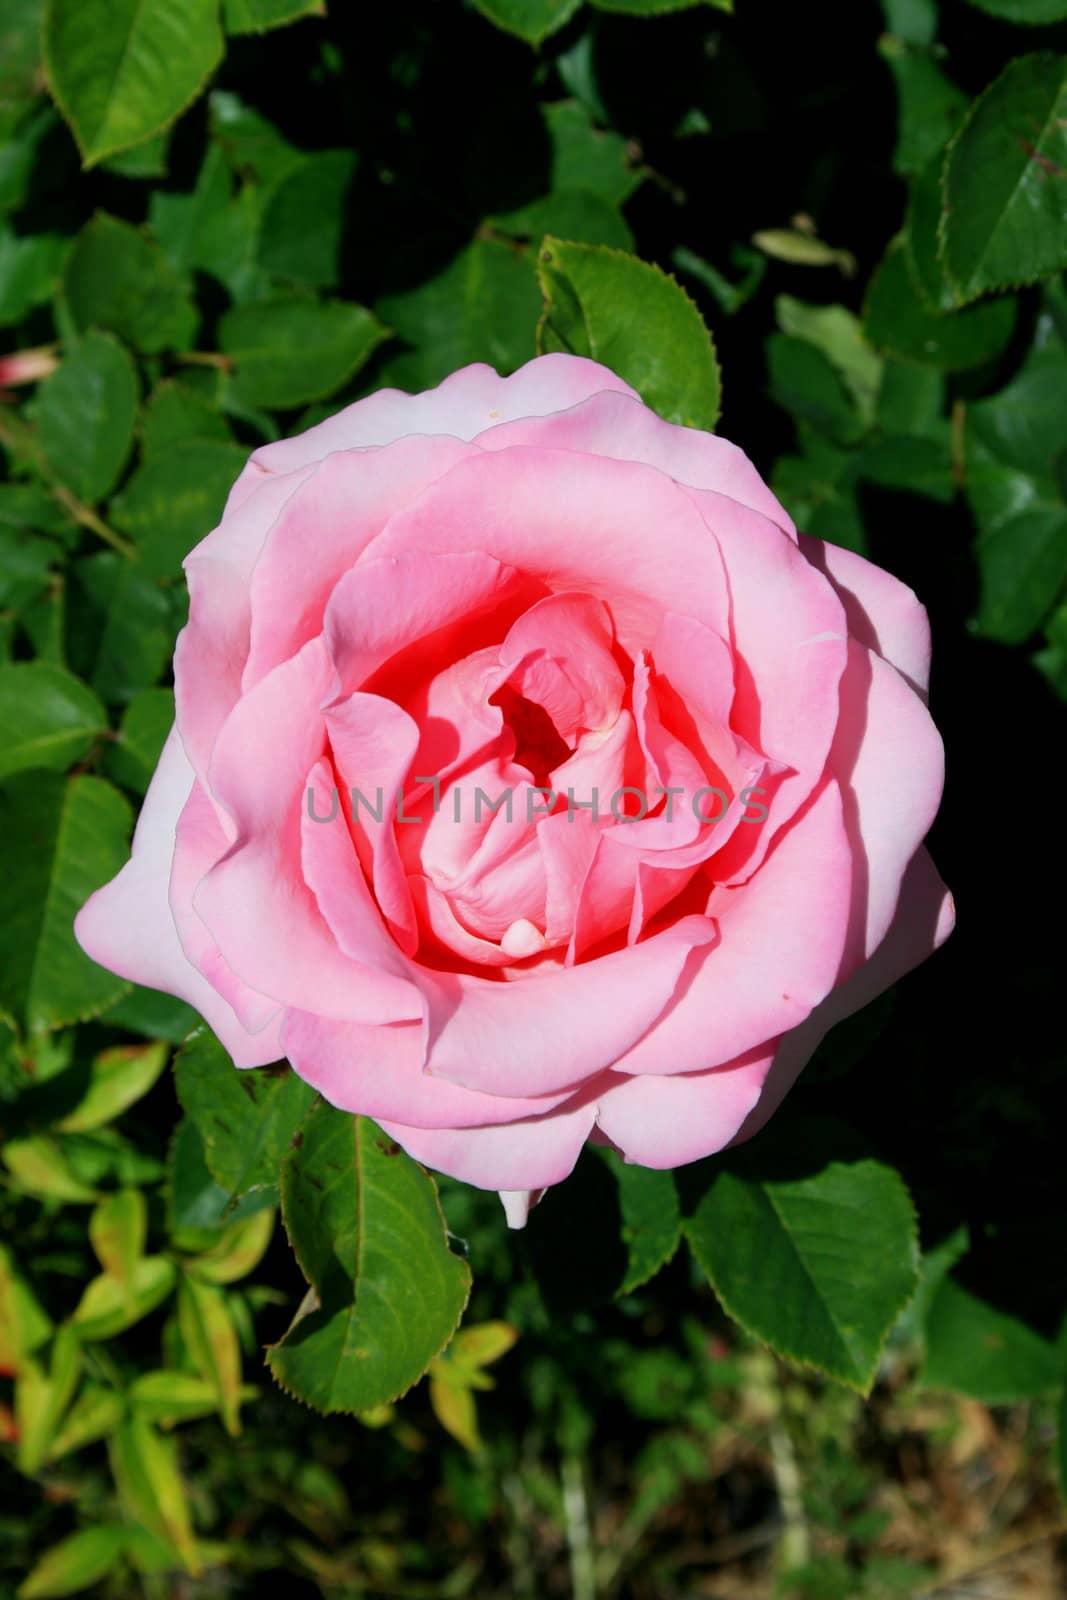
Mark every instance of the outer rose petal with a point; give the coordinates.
(888, 758)
(212, 648)
(925, 916)
(665, 1122)
(255, 900)
(466, 403)
(622, 427)
(557, 1028)
(531, 1154)
(322, 530)
(883, 613)
(615, 529)
(377, 1072)
(779, 954)
(127, 925)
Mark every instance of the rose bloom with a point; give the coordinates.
(513, 585)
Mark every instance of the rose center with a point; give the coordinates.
(538, 743)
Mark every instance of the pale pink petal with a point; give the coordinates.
(199, 842)
(889, 761)
(377, 1072)
(532, 1154)
(667, 1121)
(387, 603)
(212, 648)
(264, 917)
(781, 940)
(466, 403)
(883, 613)
(924, 918)
(333, 873)
(789, 638)
(373, 743)
(127, 925)
(559, 655)
(621, 427)
(322, 530)
(616, 529)
(543, 1032)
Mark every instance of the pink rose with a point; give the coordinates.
(498, 587)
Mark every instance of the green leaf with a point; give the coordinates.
(657, 8)
(257, 16)
(303, 220)
(195, 1200)
(917, 465)
(175, 415)
(588, 159)
(40, 1168)
(145, 160)
(41, 1400)
(292, 349)
(482, 306)
(117, 1232)
(108, 1306)
(168, 1397)
(839, 335)
(131, 759)
(175, 499)
(47, 717)
(976, 1350)
(532, 20)
(24, 1323)
(211, 1340)
(819, 1265)
(1021, 549)
(152, 1014)
(20, 50)
(119, 1077)
(121, 70)
(569, 214)
(212, 229)
(237, 1253)
(117, 278)
(60, 840)
(145, 1468)
(247, 1118)
(1005, 222)
(930, 107)
(29, 272)
(922, 237)
(1025, 13)
(86, 415)
(386, 1291)
(804, 381)
(95, 1414)
(898, 322)
(74, 1564)
(121, 627)
(651, 1219)
(636, 320)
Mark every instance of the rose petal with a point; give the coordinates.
(127, 925)
(580, 523)
(883, 613)
(667, 1121)
(781, 939)
(619, 426)
(924, 918)
(548, 1030)
(463, 405)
